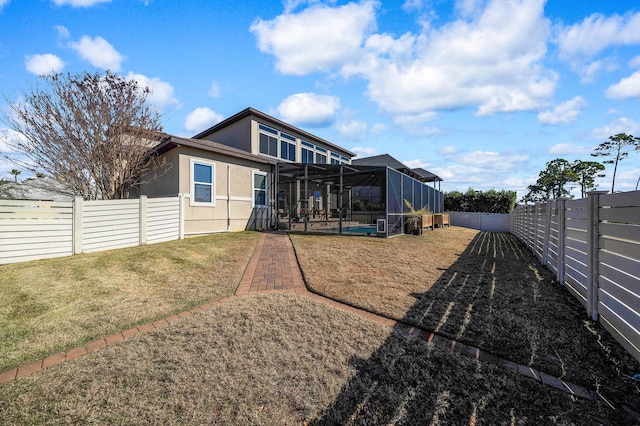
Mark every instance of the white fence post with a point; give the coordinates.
(593, 234)
(77, 225)
(143, 219)
(561, 229)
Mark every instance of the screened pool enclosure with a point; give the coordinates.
(349, 198)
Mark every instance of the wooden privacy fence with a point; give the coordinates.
(593, 247)
(31, 230)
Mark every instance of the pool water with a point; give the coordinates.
(356, 229)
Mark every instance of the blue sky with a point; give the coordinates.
(482, 93)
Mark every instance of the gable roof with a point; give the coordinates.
(172, 142)
(247, 112)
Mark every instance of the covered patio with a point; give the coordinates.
(353, 199)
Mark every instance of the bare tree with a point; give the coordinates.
(92, 134)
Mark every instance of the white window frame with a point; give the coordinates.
(253, 189)
(192, 183)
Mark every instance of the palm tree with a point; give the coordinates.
(15, 173)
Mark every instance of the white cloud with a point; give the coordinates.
(566, 148)
(563, 113)
(418, 162)
(364, 151)
(214, 90)
(353, 129)
(492, 61)
(411, 5)
(378, 128)
(161, 92)
(62, 31)
(480, 170)
(414, 119)
(43, 64)
(627, 88)
(598, 32)
(201, 119)
(621, 125)
(318, 38)
(98, 52)
(79, 3)
(492, 160)
(448, 151)
(413, 124)
(3, 3)
(10, 137)
(309, 109)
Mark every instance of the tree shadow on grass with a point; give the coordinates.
(499, 298)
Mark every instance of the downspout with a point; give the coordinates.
(228, 197)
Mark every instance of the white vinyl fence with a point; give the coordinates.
(490, 222)
(31, 230)
(593, 247)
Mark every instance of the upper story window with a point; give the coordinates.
(307, 155)
(268, 145)
(288, 150)
(202, 183)
(321, 158)
(282, 145)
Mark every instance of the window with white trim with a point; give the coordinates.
(202, 183)
(259, 189)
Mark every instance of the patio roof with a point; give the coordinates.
(385, 160)
(427, 175)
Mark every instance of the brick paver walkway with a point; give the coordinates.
(274, 267)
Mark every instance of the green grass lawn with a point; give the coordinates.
(53, 305)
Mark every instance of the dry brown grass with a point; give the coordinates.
(282, 359)
(484, 289)
(53, 305)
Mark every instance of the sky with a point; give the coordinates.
(482, 93)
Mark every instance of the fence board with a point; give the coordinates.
(621, 310)
(621, 199)
(621, 247)
(621, 214)
(89, 227)
(576, 289)
(110, 245)
(620, 231)
(630, 299)
(626, 264)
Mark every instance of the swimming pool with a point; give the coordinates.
(356, 229)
